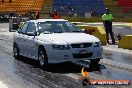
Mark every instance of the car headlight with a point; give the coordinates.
(97, 44)
(61, 47)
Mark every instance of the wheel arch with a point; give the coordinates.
(41, 47)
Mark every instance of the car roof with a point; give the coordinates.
(44, 20)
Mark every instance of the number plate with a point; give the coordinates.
(83, 52)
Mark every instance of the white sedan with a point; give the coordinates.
(55, 41)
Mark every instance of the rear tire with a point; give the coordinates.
(16, 51)
(42, 58)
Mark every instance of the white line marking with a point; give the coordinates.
(2, 85)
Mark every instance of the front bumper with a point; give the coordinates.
(58, 56)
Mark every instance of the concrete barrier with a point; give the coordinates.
(97, 31)
(101, 34)
(131, 42)
(125, 42)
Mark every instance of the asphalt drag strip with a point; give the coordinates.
(25, 73)
(108, 71)
(118, 57)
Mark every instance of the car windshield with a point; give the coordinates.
(57, 27)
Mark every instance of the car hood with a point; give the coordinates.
(70, 38)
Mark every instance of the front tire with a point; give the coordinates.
(42, 58)
(94, 64)
(16, 51)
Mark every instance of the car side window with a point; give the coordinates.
(31, 28)
(24, 28)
